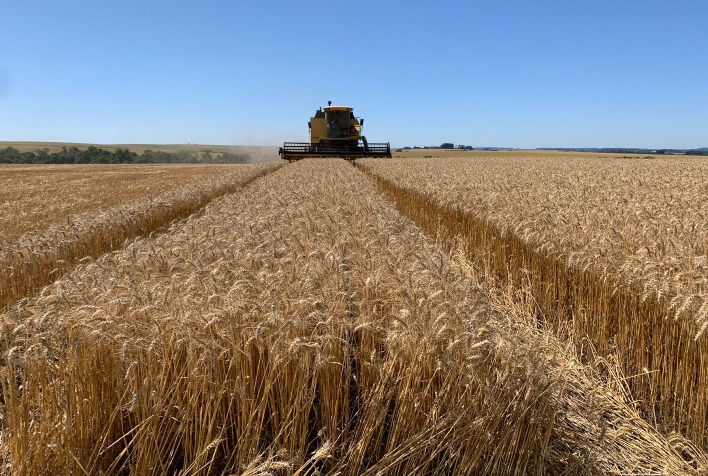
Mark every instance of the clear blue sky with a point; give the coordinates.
(508, 73)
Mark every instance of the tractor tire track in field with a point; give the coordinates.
(39, 259)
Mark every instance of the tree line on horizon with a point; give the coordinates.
(444, 145)
(96, 155)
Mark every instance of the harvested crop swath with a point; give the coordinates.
(39, 258)
(615, 247)
(300, 326)
(34, 197)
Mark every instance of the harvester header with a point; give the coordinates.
(335, 132)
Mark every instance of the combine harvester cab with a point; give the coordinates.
(335, 133)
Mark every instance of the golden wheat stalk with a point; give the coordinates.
(299, 326)
(615, 249)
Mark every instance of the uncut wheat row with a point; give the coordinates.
(615, 247)
(39, 258)
(301, 326)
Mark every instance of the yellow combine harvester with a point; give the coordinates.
(335, 132)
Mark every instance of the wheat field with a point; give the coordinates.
(613, 250)
(303, 322)
(42, 255)
(34, 197)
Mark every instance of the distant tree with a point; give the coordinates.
(124, 156)
(447, 145)
(232, 158)
(93, 155)
(68, 155)
(10, 155)
(42, 156)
